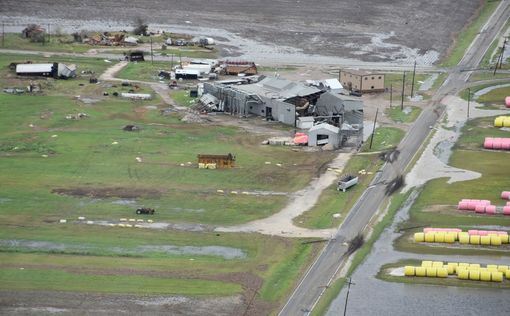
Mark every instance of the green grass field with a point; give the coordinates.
(55, 168)
(384, 138)
(467, 35)
(332, 201)
(144, 71)
(397, 115)
(437, 204)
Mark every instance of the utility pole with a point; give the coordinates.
(414, 73)
(152, 56)
(49, 34)
(347, 296)
(373, 130)
(403, 87)
(391, 94)
(502, 53)
(469, 100)
(3, 34)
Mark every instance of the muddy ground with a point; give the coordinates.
(366, 30)
(64, 303)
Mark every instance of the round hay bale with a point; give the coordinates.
(474, 239)
(474, 275)
(495, 240)
(430, 237)
(426, 263)
(409, 271)
(442, 272)
(419, 237)
(420, 271)
(497, 277)
(502, 268)
(431, 272)
(485, 240)
(485, 276)
(463, 274)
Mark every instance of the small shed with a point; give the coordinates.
(322, 134)
(220, 161)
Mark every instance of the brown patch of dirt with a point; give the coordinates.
(140, 112)
(119, 192)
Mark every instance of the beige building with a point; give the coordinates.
(361, 81)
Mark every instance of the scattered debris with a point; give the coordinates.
(145, 211)
(138, 159)
(220, 161)
(78, 116)
(136, 96)
(346, 182)
(131, 128)
(14, 90)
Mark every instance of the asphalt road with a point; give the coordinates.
(323, 270)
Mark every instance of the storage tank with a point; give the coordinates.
(497, 277)
(474, 275)
(463, 274)
(409, 271)
(485, 276)
(442, 272)
(420, 271)
(431, 272)
(495, 240)
(419, 237)
(474, 239)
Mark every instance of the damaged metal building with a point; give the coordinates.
(285, 101)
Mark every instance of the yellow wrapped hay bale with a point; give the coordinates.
(485, 276)
(497, 277)
(464, 239)
(502, 269)
(492, 266)
(498, 121)
(439, 237)
(474, 275)
(409, 271)
(452, 267)
(419, 237)
(507, 274)
(504, 239)
(463, 234)
(442, 272)
(474, 239)
(463, 274)
(463, 265)
(430, 237)
(485, 240)
(431, 272)
(492, 270)
(437, 264)
(426, 263)
(420, 271)
(474, 266)
(449, 238)
(495, 241)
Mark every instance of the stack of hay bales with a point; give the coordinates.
(451, 235)
(462, 271)
(502, 121)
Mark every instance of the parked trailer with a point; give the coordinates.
(346, 182)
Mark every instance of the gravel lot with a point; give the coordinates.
(365, 30)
